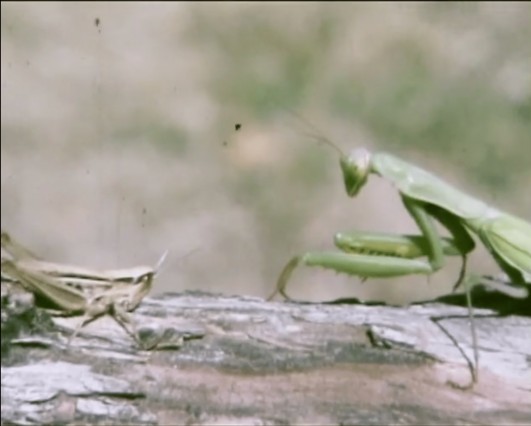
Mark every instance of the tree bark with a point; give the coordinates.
(242, 360)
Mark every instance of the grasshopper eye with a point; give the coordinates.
(142, 278)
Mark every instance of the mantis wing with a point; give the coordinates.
(419, 184)
(510, 238)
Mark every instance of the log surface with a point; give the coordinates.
(242, 360)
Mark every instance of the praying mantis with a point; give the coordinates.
(76, 290)
(427, 198)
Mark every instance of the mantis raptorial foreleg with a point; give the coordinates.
(371, 255)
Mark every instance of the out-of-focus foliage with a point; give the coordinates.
(118, 137)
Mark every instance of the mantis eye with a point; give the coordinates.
(355, 168)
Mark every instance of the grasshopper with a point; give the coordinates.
(426, 197)
(76, 290)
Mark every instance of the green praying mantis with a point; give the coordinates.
(427, 198)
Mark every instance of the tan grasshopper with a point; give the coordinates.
(76, 290)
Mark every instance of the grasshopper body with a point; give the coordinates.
(77, 290)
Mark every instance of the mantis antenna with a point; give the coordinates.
(315, 134)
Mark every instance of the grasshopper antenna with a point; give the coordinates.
(161, 260)
(165, 255)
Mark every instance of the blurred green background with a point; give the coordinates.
(118, 137)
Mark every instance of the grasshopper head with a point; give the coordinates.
(355, 168)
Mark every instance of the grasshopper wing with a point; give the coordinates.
(66, 298)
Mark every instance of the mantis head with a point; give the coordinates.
(355, 168)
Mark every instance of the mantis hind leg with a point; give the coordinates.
(501, 284)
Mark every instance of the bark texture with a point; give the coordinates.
(242, 360)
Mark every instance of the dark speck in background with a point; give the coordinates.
(237, 126)
(97, 22)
